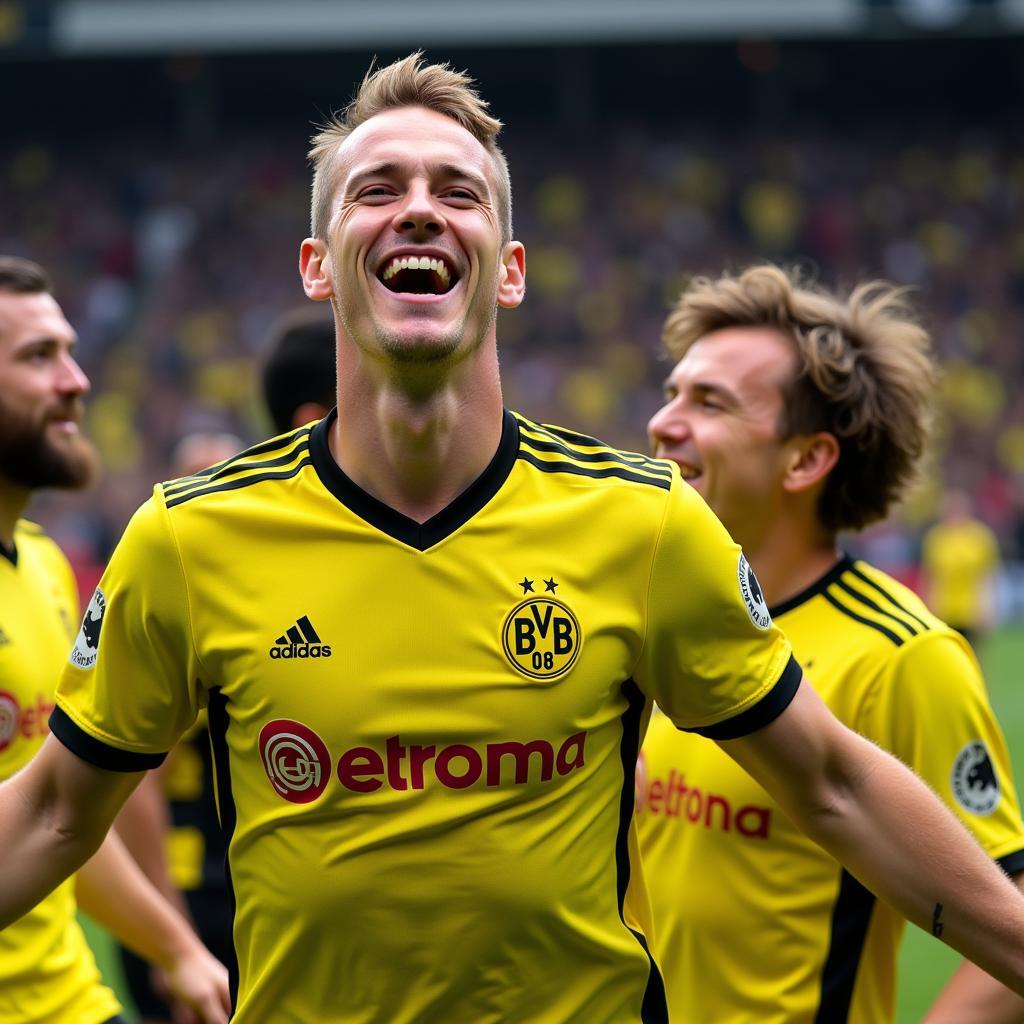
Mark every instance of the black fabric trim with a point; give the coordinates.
(386, 519)
(885, 593)
(193, 483)
(245, 481)
(95, 751)
(1012, 863)
(10, 553)
(574, 469)
(851, 917)
(851, 614)
(273, 444)
(763, 713)
(819, 586)
(654, 1008)
(218, 720)
(637, 462)
(864, 599)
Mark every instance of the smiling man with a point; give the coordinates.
(429, 632)
(796, 414)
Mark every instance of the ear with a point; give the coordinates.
(512, 275)
(315, 268)
(811, 459)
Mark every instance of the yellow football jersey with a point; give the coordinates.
(47, 971)
(426, 734)
(752, 920)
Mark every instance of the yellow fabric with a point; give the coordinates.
(464, 732)
(743, 902)
(959, 559)
(47, 972)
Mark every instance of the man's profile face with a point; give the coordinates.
(720, 424)
(414, 244)
(41, 392)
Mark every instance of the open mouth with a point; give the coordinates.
(418, 275)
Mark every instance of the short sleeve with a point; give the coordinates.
(933, 713)
(131, 685)
(712, 657)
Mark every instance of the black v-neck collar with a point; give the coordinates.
(417, 535)
(10, 553)
(819, 586)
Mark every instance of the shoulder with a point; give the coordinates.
(279, 458)
(588, 461)
(32, 540)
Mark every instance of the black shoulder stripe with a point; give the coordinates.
(885, 593)
(192, 483)
(608, 455)
(245, 481)
(864, 599)
(556, 435)
(574, 469)
(850, 613)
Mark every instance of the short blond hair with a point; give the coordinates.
(409, 82)
(864, 374)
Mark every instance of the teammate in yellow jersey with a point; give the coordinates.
(47, 972)
(798, 414)
(429, 632)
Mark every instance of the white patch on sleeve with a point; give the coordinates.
(974, 780)
(750, 589)
(87, 643)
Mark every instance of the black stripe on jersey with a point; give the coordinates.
(865, 600)
(552, 444)
(654, 1008)
(575, 469)
(191, 484)
(817, 587)
(830, 596)
(765, 711)
(217, 716)
(95, 751)
(851, 916)
(245, 481)
(885, 593)
(1012, 863)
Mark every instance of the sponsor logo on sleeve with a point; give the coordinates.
(974, 780)
(750, 590)
(83, 654)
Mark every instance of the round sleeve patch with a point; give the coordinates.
(87, 643)
(750, 589)
(974, 780)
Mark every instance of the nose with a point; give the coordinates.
(668, 425)
(420, 214)
(71, 378)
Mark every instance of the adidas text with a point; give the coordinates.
(301, 651)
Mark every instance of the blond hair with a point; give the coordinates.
(409, 82)
(864, 374)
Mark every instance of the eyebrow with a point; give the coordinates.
(391, 168)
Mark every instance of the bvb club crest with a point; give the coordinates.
(541, 637)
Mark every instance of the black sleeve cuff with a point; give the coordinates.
(97, 753)
(1012, 863)
(765, 711)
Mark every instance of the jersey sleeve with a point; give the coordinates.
(934, 714)
(712, 658)
(132, 686)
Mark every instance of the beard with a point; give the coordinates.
(30, 459)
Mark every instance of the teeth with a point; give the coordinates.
(417, 263)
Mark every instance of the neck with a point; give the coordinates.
(790, 557)
(13, 501)
(414, 448)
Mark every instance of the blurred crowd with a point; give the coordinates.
(174, 262)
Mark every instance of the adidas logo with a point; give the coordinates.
(300, 641)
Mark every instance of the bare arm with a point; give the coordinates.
(876, 817)
(144, 825)
(112, 890)
(54, 814)
(974, 997)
